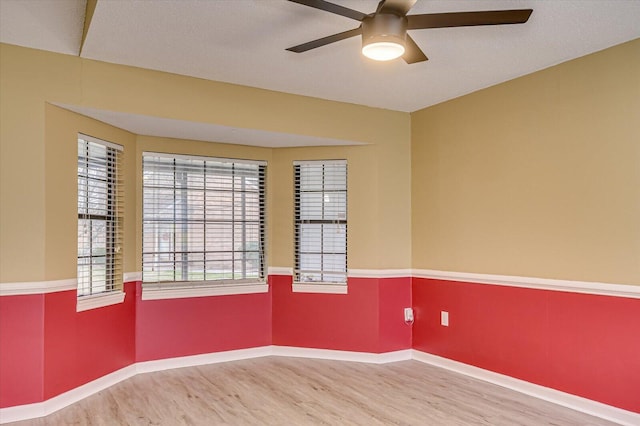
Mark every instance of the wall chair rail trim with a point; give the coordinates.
(587, 287)
(37, 287)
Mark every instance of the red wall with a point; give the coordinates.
(197, 325)
(21, 355)
(47, 348)
(369, 318)
(586, 345)
(82, 346)
(394, 295)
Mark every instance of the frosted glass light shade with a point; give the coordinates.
(383, 50)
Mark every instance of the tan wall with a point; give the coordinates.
(27, 80)
(36, 246)
(539, 176)
(61, 193)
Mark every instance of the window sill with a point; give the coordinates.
(327, 288)
(96, 301)
(176, 291)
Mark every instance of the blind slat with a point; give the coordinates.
(321, 221)
(100, 216)
(203, 219)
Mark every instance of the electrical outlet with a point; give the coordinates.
(444, 318)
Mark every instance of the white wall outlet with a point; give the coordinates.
(444, 318)
(408, 315)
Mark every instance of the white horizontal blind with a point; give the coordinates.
(321, 221)
(203, 219)
(100, 216)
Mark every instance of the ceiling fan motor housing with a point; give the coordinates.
(384, 27)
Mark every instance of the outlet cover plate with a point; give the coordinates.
(444, 318)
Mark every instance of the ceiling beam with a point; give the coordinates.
(88, 16)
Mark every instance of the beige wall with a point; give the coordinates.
(26, 82)
(37, 230)
(539, 176)
(61, 193)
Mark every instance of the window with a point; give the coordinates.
(320, 221)
(203, 220)
(100, 209)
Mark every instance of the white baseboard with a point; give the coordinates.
(44, 408)
(41, 409)
(564, 399)
(194, 360)
(364, 357)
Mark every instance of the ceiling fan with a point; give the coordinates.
(384, 32)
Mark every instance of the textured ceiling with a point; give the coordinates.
(47, 25)
(244, 41)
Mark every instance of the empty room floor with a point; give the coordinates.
(296, 391)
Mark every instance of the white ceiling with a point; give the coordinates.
(244, 41)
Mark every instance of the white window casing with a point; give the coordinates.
(204, 224)
(320, 223)
(100, 219)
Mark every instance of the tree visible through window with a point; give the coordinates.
(99, 216)
(203, 219)
(321, 221)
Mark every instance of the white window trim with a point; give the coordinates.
(95, 301)
(301, 287)
(315, 162)
(115, 295)
(100, 142)
(203, 158)
(317, 287)
(171, 290)
(325, 288)
(168, 290)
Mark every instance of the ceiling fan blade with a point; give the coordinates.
(465, 19)
(397, 7)
(332, 8)
(325, 40)
(413, 53)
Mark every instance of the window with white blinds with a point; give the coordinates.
(320, 221)
(203, 219)
(100, 213)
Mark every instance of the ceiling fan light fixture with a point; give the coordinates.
(384, 32)
(383, 50)
(383, 36)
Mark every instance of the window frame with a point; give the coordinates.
(89, 295)
(322, 286)
(161, 289)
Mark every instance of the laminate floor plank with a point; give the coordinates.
(296, 391)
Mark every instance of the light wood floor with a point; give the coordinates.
(293, 391)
